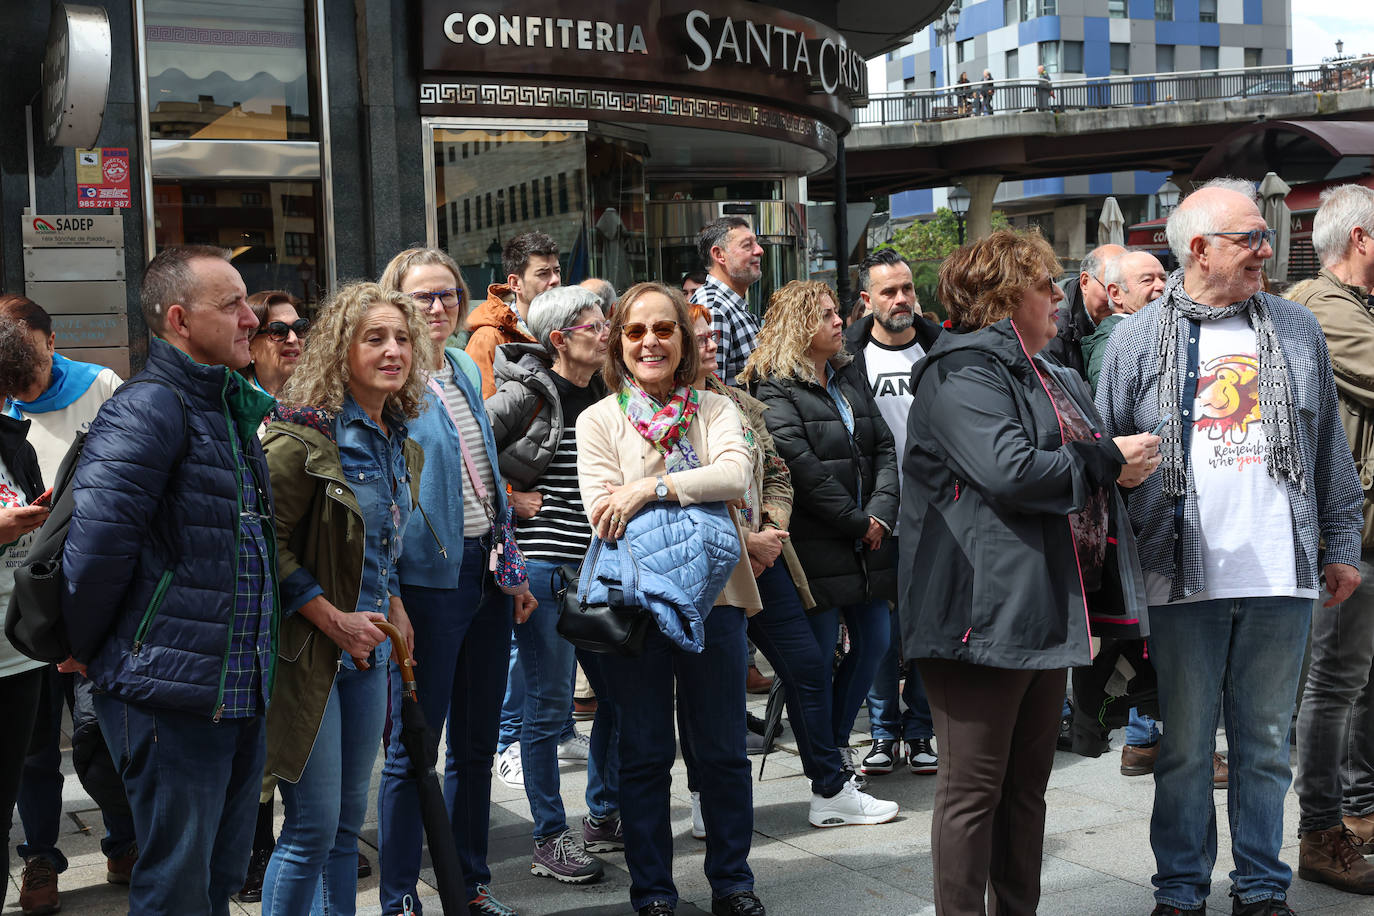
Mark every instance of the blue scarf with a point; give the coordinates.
(70, 380)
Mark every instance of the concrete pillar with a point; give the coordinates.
(1071, 231)
(981, 189)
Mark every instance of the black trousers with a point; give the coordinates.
(19, 698)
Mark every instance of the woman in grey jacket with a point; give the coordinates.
(1015, 542)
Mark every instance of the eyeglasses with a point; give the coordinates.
(1254, 238)
(280, 330)
(663, 330)
(449, 298)
(598, 327)
(708, 337)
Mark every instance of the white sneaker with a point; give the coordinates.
(509, 769)
(698, 825)
(576, 749)
(850, 806)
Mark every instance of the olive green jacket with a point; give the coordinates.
(320, 528)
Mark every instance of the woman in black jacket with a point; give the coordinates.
(1016, 553)
(840, 452)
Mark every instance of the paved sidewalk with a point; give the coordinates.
(1097, 852)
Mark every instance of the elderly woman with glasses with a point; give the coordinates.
(543, 388)
(279, 340)
(658, 438)
(462, 619)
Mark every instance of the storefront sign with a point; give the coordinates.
(102, 178)
(76, 74)
(733, 48)
(62, 231)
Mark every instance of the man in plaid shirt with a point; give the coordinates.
(733, 256)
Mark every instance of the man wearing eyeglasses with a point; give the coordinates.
(1086, 304)
(1255, 472)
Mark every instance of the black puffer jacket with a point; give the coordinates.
(989, 571)
(830, 470)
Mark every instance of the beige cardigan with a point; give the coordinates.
(610, 450)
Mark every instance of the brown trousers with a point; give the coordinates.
(995, 730)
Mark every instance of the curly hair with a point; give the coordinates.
(984, 281)
(614, 372)
(322, 377)
(20, 359)
(789, 325)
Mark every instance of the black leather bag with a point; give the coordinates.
(613, 628)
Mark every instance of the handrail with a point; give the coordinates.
(1131, 90)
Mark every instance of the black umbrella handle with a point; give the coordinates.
(401, 655)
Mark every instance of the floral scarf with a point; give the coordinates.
(664, 425)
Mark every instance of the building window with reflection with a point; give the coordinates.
(1116, 9)
(1121, 58)
(1207, 11)
(1049, 56)
(1164, 10)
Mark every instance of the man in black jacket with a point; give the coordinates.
(1085, 304)
(886, 343)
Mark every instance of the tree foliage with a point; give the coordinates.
(935, 238)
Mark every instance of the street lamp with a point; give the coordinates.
(494, 260)
(959, 198)
(944, 34)
(1167, 195)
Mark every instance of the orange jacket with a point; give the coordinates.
(489, 325)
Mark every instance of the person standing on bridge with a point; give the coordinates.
(982, 100)
(1044, 89)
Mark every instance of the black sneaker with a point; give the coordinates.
(881, 759)
(1164, 909)
(1274, 906)
(921, 757)
(657, 908)
(740, 903)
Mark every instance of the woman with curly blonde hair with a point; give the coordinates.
(839, 451)
(345, 476)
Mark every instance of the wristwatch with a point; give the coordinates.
(660, 489)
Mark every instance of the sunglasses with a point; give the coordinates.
(1254, 238)
(280, 330)
(449, 298)
(596, 326)
(663, 330)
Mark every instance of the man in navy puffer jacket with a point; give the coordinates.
(171, 598)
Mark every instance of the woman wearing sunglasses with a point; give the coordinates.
(279, 340)
(657, 437)
(542, 389)
(462, 619)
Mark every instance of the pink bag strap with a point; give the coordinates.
(477, 485)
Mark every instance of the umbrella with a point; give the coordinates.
(1272, 191)
(772, 718)
(422, 747)
(1111, 225)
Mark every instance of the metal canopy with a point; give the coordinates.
(1298, 150)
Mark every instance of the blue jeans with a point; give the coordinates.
(870, 631)
(887, 720)
(314, 868)
(513, 705)
(710, 691)
(784, 637)
(462, 636)
(193, 787)
(1237, 657)
(40, 789)
(603, 763)
(1141, 730)
(550, 666)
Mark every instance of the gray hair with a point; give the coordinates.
(1343, 209)
(713, 234)
(168, 280)
(1187, 223)
(557, 308)
(1092, 264)
(1114, 271)
(604, 290)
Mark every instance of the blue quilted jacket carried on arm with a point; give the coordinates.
(152, 553)
(673, 561)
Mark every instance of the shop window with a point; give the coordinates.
(1120, 58)
(1116, 9)
(1207, 11)
(1164, 58)
(1073, 57)
(1164, 10)
(230, 70)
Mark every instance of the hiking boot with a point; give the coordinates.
(1221, 773)
(120, 870)
(849, 807)
(38, 887)
(1361, 832)
(606, 835)
(1164, 909)
(252, 884)
(698, 824)
(921, 758)
(562, 858)
(1271, 907)
(484, 904)
(740, 903)
(1139, 759)
(881, 759)
(1330, 857)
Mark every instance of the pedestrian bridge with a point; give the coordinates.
(1160, 122)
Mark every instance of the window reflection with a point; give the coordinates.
(229, 70)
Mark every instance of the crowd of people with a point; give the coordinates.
(1146, 484)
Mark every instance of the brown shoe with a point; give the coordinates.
(1139, 759)
(1221, 773)
(121, 870)
(1362, 832)
(1329, 857)
(756, 682)
(584, 709)
(38, 887)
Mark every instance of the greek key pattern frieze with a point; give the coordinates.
(615, 101)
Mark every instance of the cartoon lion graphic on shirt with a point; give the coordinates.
(1228, 398)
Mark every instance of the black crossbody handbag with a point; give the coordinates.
(613, 627)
